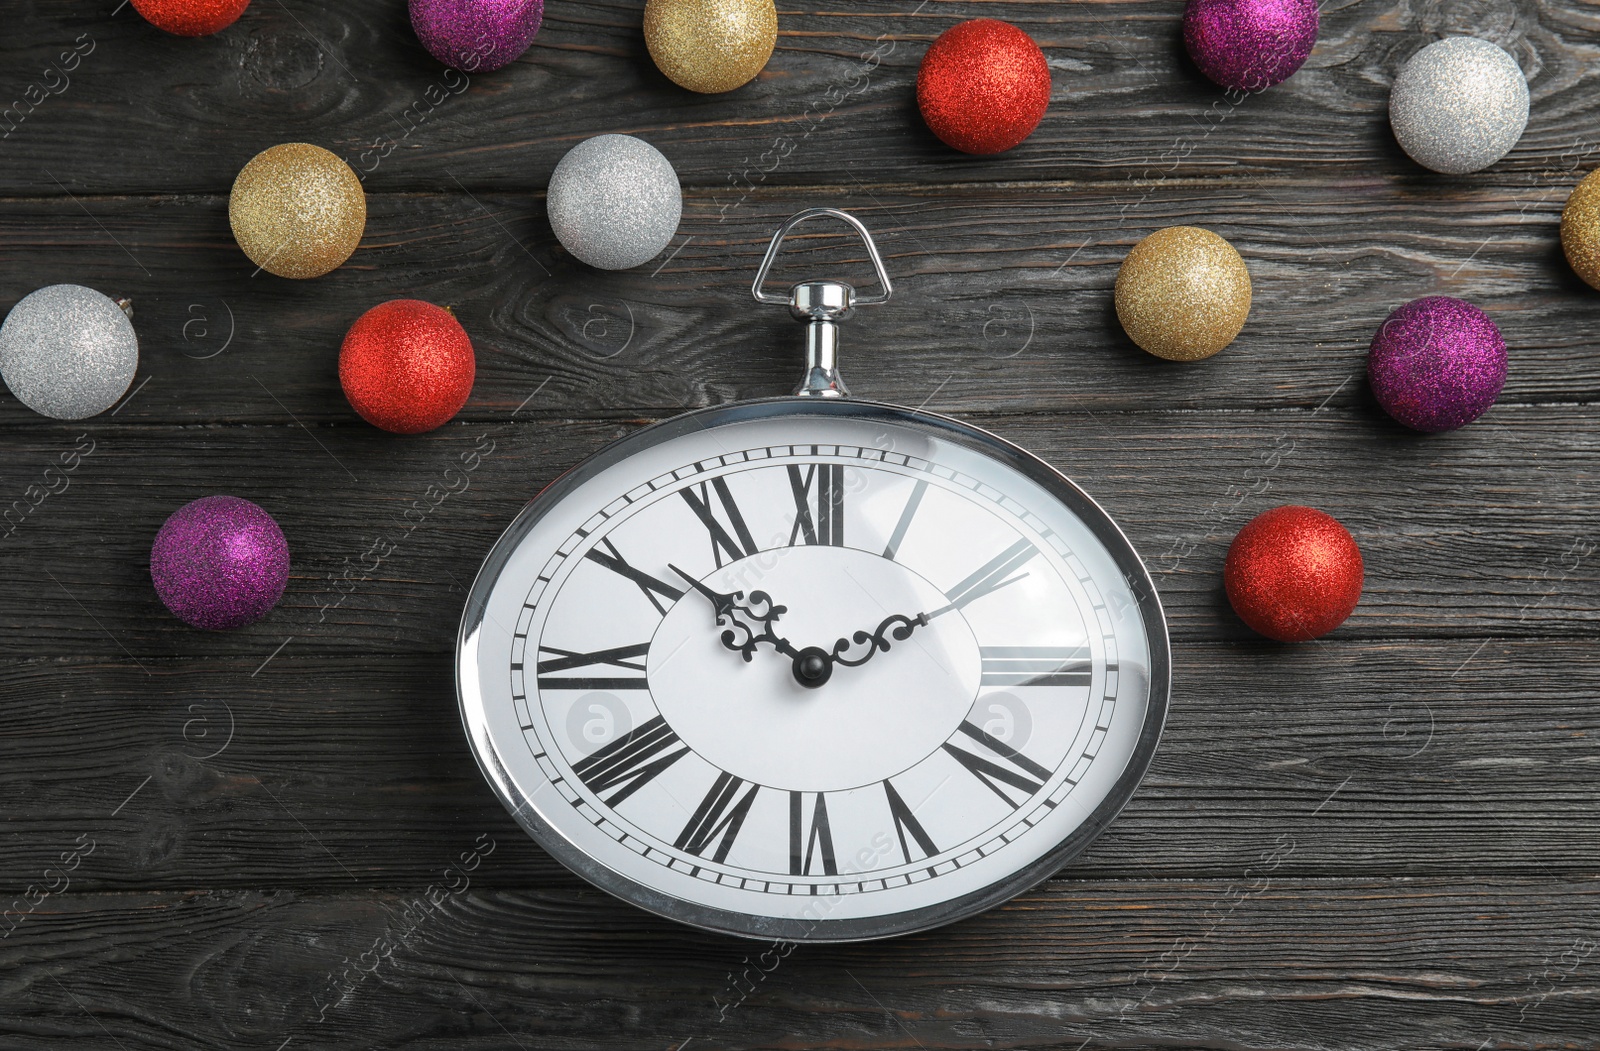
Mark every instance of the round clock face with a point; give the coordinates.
(814, 670)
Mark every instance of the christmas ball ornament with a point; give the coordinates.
(1183, 293)
(297, 210)
(1249, 45)
(1293, 574)
(68, 352)
(191, 17)
(476, 35)
(1580, 228)
(406, 366)
(219, 562)
(710, 45)
(983, 86)
(614, 201)
(1437, 364)
(1459, 105)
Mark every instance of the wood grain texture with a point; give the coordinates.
(1489, 531)
(1385, 839)
(1003, 298)
(837, 100)
(1263, 961)
(1415, 758)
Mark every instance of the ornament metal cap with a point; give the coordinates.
(822, 305)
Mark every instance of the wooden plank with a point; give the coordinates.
(836, 102)
(1259, 961)
(1002, 304)
(1484, 532)
(1413, 757)
(1386, 839)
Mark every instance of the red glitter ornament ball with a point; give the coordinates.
(983, 86)
(406, 366)
(191, 17)
(1293, 574)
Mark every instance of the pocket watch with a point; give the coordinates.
(813, 668)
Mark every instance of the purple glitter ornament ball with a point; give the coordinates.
(1437, 364)
(1249, 45)
(476, 36)
(219, 562)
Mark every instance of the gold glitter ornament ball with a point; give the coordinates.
(1580, 229)
(1183, 293)
(710, 45)
(297, 210)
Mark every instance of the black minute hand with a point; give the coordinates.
(899, 627)
(902, 626)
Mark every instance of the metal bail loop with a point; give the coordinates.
(822, 305)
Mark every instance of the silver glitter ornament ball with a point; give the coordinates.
(67, 351)
(1459, 105)
(614, 201)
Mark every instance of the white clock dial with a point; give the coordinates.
(813, 671)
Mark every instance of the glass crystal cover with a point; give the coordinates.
(814, 672)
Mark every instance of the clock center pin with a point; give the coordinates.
(809, 719)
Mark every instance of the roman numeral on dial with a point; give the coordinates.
(699, 499)
(906, 824)
(720, 814)
(1010, 767)
(567, 660)
(899, 535)
(631, 761)
(612, 559)
(992, 575)
(1035, 665)
(810, 839)
(818, 503)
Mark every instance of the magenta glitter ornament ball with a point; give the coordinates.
(1437, 364)
(1249, 45)
(219, 562)
(476, 35)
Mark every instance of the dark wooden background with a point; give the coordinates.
(1386, 839)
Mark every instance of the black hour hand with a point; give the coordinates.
(739, 617)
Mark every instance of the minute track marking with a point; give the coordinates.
(760, 522)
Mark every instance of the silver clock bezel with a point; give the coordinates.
(726, 921)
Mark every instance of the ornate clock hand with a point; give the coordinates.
(728, 607)
(813, 665)
(722, 603)
(875, 641)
